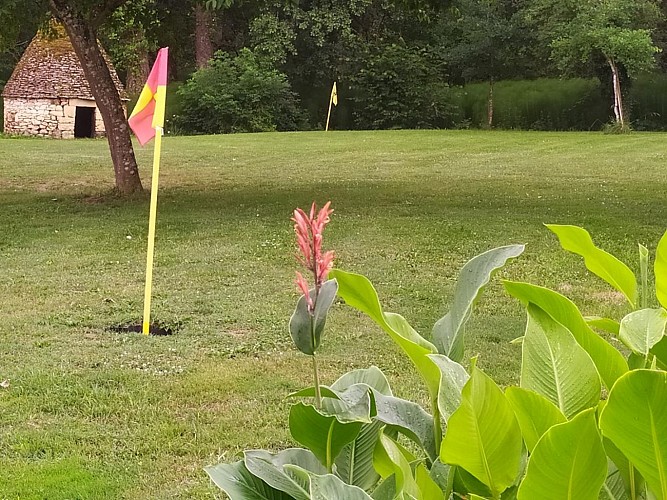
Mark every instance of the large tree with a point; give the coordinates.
(485, 40)
(82, 20)
(616, 31)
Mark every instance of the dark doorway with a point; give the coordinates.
(84, 122)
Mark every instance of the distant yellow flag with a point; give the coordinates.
(332, 100)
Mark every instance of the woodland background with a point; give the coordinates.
(258, 65)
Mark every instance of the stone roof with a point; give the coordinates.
(50, 69)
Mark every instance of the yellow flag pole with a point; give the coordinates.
(151, 231)
(329, 113)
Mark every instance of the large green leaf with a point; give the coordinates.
(269, 468)
(603, 264)
(483, 435)
(327, 486)
(464, 483)
(239, 484)
(324, 435)
(398, 414)
(641, 330)
(386, 490)
(440, 474)
(605, 324)
(609, 362)
(555, 366)
(535, 414)
(351, 405)
(354, 390)
(643, 274)
(568, 462)
(427, 486)
(302, 323)
(660, 352)
(510, 493)
(409, 419)
(391, 459)
(474, 275)
(373, 377)
(632, 479)
(354, 464)
(660, 271)
(453, 378)
(359, 293)
(613, 487)
(350, 397)
(635, 420)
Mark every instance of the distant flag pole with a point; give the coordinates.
(332, 101)
(147, 121)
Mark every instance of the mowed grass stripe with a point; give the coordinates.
(136, 417)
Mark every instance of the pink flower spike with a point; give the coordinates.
(309, 229)
(322, 219)
(324, 266)
(323, 215)
(302, 230)
(303, 286)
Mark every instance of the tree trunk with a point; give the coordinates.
(489, 108)
(82, 33)
(203, 44)
(618, 97)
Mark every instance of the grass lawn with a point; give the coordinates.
(95, 414)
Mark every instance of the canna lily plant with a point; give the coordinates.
(583, 423)
(307, 322)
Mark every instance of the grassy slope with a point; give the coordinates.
(93, 414)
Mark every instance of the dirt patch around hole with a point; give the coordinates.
(155, 329)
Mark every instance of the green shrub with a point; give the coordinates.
(543, 104)
(174, 109)
(237, 94)
(614, 128)
(401, 87)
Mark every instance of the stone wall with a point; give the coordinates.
(46, 117)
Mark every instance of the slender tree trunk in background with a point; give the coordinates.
(82, 34)
(203, 43)
(138, 74)
(489, 108)
(618, 97)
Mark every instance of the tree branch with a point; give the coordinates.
(59, 6)
(104, 10)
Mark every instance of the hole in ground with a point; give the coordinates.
(156, 329)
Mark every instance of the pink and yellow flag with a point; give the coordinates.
(148, 113)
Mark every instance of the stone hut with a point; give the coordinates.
(48, 94)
